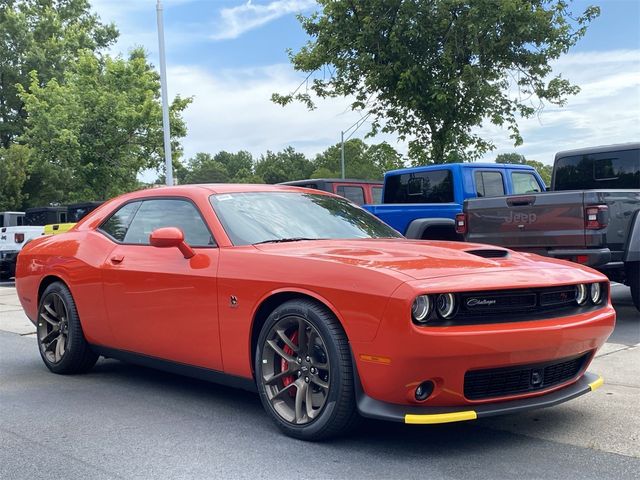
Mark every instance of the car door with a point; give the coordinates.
(159, 303)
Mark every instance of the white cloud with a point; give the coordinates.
(235, 21)
(232, 111)
(606, 111)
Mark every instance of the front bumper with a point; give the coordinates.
(371, 408)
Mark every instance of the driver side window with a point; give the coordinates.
(160, 213)
(134, 222)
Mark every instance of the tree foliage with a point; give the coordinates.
(43, 36)
(283, 166)
(94, 131)
(543, 169)
(223, 167)
(432, 70)
(13, 175)
(361, 160)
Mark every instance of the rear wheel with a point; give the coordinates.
(304, 373)
(61, 341)
(633, 280)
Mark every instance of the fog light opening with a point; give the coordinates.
(424, 390)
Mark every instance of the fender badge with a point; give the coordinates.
(233, 301)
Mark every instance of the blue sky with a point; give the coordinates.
(231, 55)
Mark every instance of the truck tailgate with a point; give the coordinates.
(545, 220)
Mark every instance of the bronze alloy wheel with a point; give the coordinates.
(53, 327)
(295, 370)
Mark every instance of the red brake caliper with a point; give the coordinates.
(285, 366)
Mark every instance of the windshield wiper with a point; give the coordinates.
(285, 240)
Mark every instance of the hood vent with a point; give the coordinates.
(489, 253)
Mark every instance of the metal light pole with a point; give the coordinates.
(165, 102)
(342, 153)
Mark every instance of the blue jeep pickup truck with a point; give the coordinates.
(422, 202)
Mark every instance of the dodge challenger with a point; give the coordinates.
(325, 311)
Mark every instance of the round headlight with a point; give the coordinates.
(595, 293)
(446, 305)
(421, 308)
(581, 293)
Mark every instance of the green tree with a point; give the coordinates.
(43, 36)
(543, 169)
(235, 163)
(283, 166)
(92, 134)
(14, 162)
(432, 70)
(204, 168)
(361, 160)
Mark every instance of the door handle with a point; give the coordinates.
(117, 258)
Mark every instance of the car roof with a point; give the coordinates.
(470, 165)
(331, 180)
(599, 149)
(215, 188)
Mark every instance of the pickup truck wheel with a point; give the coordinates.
(633, 280)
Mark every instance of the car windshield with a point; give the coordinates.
(261, 217)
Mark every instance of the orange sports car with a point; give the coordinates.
(325, 311)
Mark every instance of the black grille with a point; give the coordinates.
(516, 305)
(500, 382)
(561, 296)
(507, 300)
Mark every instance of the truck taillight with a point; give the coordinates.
(461, 223)
(18, 237)
(596, 217)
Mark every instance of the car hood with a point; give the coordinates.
(414, 259)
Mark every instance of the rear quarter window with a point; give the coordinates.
(353, 193)
(435, 186)
(618, 169)
(376, 194)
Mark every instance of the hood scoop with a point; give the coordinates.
(489, 252)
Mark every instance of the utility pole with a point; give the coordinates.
(353, 127)
(165, 101)
(342, 153)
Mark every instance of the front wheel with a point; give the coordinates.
(61, 341)
(304, 372)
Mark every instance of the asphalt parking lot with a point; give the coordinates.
(123, 421)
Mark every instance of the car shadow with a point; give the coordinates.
(450, 440)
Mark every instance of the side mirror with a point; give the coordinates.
(168, 237)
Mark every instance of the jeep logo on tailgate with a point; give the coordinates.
(521, 218)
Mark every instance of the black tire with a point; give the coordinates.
(77, 356)
(338, 413)
(633, 280)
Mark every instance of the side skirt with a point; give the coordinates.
(178, 368)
